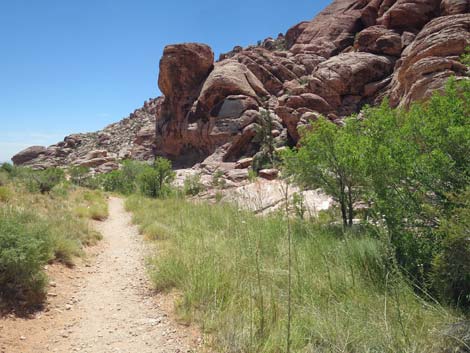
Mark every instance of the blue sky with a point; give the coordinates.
(75, 66)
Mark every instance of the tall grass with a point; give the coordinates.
(231, 269)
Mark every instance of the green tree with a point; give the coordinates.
(330, 158)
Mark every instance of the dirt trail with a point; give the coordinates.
(110, 308)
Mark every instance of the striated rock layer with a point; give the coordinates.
(355, 52)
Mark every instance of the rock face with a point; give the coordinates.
(355, 52)
(132, 137)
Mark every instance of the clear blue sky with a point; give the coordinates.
(77, 65)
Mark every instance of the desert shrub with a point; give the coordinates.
(329, 159)
(252, 175)
(124, 180)
(266, 157)
(7, 168)
(3, 178)
(94, 206)
(192, 185)
(114, 182)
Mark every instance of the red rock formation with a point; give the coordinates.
(354, 52)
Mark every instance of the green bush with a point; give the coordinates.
(114, 182)
(125, 180)
(217, 179)
(7, 167)
(5, 194)
(3, 178)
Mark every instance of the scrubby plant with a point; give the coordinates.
(5, 193)
(7, 167)
(252, 175)
(266, 157)
(217, 179)
(3, 178)
(329, 159)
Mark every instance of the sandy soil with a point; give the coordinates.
(102, 305)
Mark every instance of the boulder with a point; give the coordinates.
(348, 74)
(330, 32)
(409, 15)
(244, 163)
(379, 40)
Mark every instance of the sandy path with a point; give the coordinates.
(113, 309)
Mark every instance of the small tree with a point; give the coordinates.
(330, 158)
(155, 181)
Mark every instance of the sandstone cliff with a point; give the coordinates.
(353, 53)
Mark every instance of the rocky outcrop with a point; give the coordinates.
(132, 137)
(29, 154)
